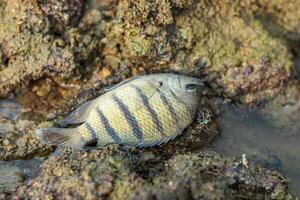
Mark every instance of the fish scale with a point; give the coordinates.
(145, 111)
(118, 121)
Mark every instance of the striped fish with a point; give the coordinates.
(142, 111)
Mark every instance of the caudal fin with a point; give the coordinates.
(60, 137)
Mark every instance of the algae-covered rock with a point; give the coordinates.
(21, 143)
(280, 17)
(38, 39)
(130, 174)
(28, 53)
(61, 14)
(231, 43)
(224, 40)
(55, 55)
(208, 176)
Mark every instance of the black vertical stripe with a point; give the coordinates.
(110, 130)
(92, 131)
(152, 112)
(130, 118)
(169, 105)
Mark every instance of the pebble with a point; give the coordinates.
(6, 142)
(104, 72)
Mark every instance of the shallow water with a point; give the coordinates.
(29, 168)
(13, 173)
(248, 131)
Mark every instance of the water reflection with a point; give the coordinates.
(246, 131)
(13, 173)
(10, 109)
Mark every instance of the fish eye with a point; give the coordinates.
(190, 87)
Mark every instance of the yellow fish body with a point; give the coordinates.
(143, 111)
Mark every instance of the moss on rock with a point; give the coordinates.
(130, 174)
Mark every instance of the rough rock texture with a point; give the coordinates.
(54, 55)
(37, 39)
(280, 17)
(21, 144)
(223, 40)
(130, 174)
(240, 46)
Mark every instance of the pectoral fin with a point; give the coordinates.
(80, 114)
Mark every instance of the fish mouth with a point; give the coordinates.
(199, 83)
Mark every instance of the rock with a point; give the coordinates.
(210, 32)
(62, 14)
(104, 73)
(55, 55)
(37, 39)
(16, 145)
(132, 174)
(159, 36)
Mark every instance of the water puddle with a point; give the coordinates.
(13, 173)
(13, 122)
(18, 115)
(10, 109)
(247, 131)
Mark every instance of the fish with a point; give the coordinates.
(143, 111)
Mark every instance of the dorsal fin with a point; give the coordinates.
(111, 87)
(81, 114)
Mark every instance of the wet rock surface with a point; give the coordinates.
(17, 140)
(55, 55)
(14, 173)
(138, 174)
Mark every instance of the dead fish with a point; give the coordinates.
(143, 111)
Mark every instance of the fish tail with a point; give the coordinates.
(61, 137)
